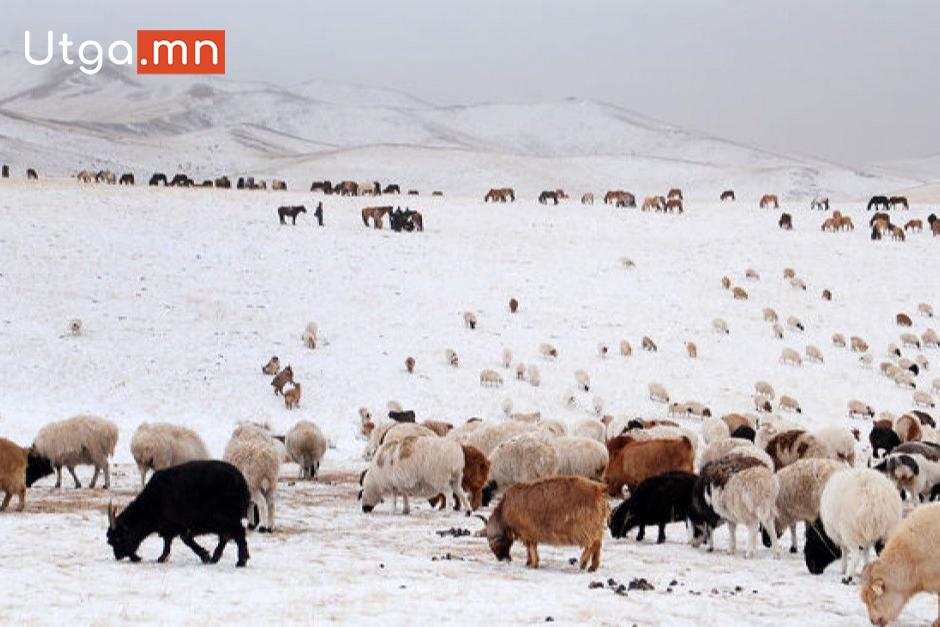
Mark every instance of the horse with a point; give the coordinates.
(159, 177)
(914, 225)
(726, 195)
(347, 188)
(85, 176)
(879, 216)
(587, 199)
(767, 199)
(820, 202)
(392, 188)
(879, 201)
(31, 175)
(673, 204)
(292, 212)
(895, 201)
(652, 202)
(106, 176)
(279, 185)
(675, 192)
(127, 179)
(223, 183)
(181, 180)
(376, 214)
(437, 193)
(545, 196)
(785, 222)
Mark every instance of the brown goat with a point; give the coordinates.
(292, 396)
(903, 320)
(281, 379)
(789, 446)
(632, 461)
(558, 511)
(739, 293)
(13, 460)
(476, 470)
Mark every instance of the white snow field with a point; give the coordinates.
(185, 294)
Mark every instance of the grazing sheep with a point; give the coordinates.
(695, 408)
(910, 340)
(658, 393)
(795, 324)
(676, 410)
(858, 409)
(762, 404)
(906, 566)
(602, 350)
(777, 331)
(801, 486)
(71, 442)
(281, 379)
(410, 365)
(13, 462)
(520, 371)
(525, 457)
(739, 293)
(507, 358)
(529, 512)
(548, 351)
(720, 326)
(894, 351)
(625, 348)
(788, 403)
(925, 310)
(252, 451)
(470, 319)
(451, 357)
(788, 446)
(903, 320)
(292, 396)
(272, 367)
(310, 335)
(658, 501)
(75, 327)
(904, 379)
(627, 263)
(922, 361)
(739, 447)
(930, 338)
(692, 350)
(838, 340)
(648, 344)
(507, 407)
(476, 470)
(765, 389)
(160, 445)
(590, 428)
(726, 282)
(813, 354)
(414, 466)
(583, 380)
(751, 274)
(306, 445)
(840, 441)
(580, 457)
(798, 284)
(770, 315)
(490, 378)
(392, 432)
(535, 379)
(789, 273)
(858, 508)
(923, 399)
(790, 357)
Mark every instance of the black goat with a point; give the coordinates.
(658, 501)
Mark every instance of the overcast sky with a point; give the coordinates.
(849, 80)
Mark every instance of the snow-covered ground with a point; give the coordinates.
(185, 294)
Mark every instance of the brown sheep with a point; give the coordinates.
(633, 461)
(692, 349)
(13, 461)
(410, 365)
(903, 320)
(858, 344)
(513, 305)
(292, 396)
(726, 282)
(476, 470)
(281, 379)
(789, 446)
(769, 199)
(739, 293)
(559, 511)
(826, 295)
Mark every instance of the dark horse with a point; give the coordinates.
(293, 211)
(728, 194)
(5, 171)
(127, 179)
(392, 188)
(157, 178)
(324, 186)
(544, 197)
(896, 201)
(879, 201)
(181, 180)
(31, 175)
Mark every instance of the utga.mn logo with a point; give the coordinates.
(157, 52)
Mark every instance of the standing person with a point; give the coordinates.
(318, 214)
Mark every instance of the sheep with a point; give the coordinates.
(925, 310)
(888, 369)
(490, 378)
(894, 351)
(694, 408)
(858, 409)
(414, 466)
(625, 348)
(676, 410)
(71, 442)
(648, 344)
(908, 428)
(513, 305)
(548, 351)
(251, 450)
(410, 365)
(903, 320)
(525, 457)
(930, 338)
(790, 357)
(910, 340)
(272, 367)
(306, 445)
(590, 428)
(788, 403)
(160, 445)
(470, 319)
(391, 432)
(777, 331)
(75, 327)
(506, 406)
(762, 404)
(788, 446)
(912, 472)
(488, 436)
(813, 354)
(923, 399)
(765, 389)
(507, 358)
(520, 371)
(789, 273)
(692, 350)
(632, 461)
(739, 293)
(658, 501)
(770, 315)
(310, 335)
(530, 512)
(858, 344)
(795, 324)
(281, 379)
(840, 442)
(838, 340)
(714, 428)
(798, 284)
(734, 446)
(858, 508)
(720, 326)
(907, 565)
(292, 396)
(921, 361)
(530, 417)
(751, 274)
(451, 357)
(865, 360)
(476, 469)
(439, 427)
(658, 393)
(581, 457)
(602, 350)
(13, 462)
(583, 380)
(801, 486)
(904, 379)
(726, 282)
(827, 294)
(535, 379)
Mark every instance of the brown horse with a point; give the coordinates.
(675, 192)
(546, 196)
(652, 202)
(898, 201)
(674, 204)
(769, 199)
(620, 198)
(587, 199)
(914, 225)
(502, 194)
(376, 213)
(726, 195)
(347, 188)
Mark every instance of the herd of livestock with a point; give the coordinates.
(551, 482)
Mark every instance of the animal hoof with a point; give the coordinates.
(241, 563)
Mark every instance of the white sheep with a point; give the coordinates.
(415, 466)
(765, 389)
(762, 404)
(777, 331)
(790, 357)
(490, 378)
(75, 441)
(583, 380)
(306, 445)
(841, 442)
(590, 428)
(923, 399)
(676, 410)
(798, 284)
(838, 340)
(658, 393)
(813, 354)
(922, 361)
(904, 379)
(548, 351)
(507, 358)
(160, 445)
(625, 348)
(795, 324)
(535, 379)
(911, 472)
(526, 457)
(470, 319)
(520, 371)
(748, 498)
(506, 406)
(390, 431)
(865, 360)
(581, 457)
(858, 508)
(714, 428)
(788, 403)
(910, 340)
(858, 409)
(252, 451)
(770, 315)
(726, 447)
(451, 357)
(310, 335)
(720, 326)
(695, 408)
(930, 338)
(925, 310)
(487, 436)
(801, 486)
